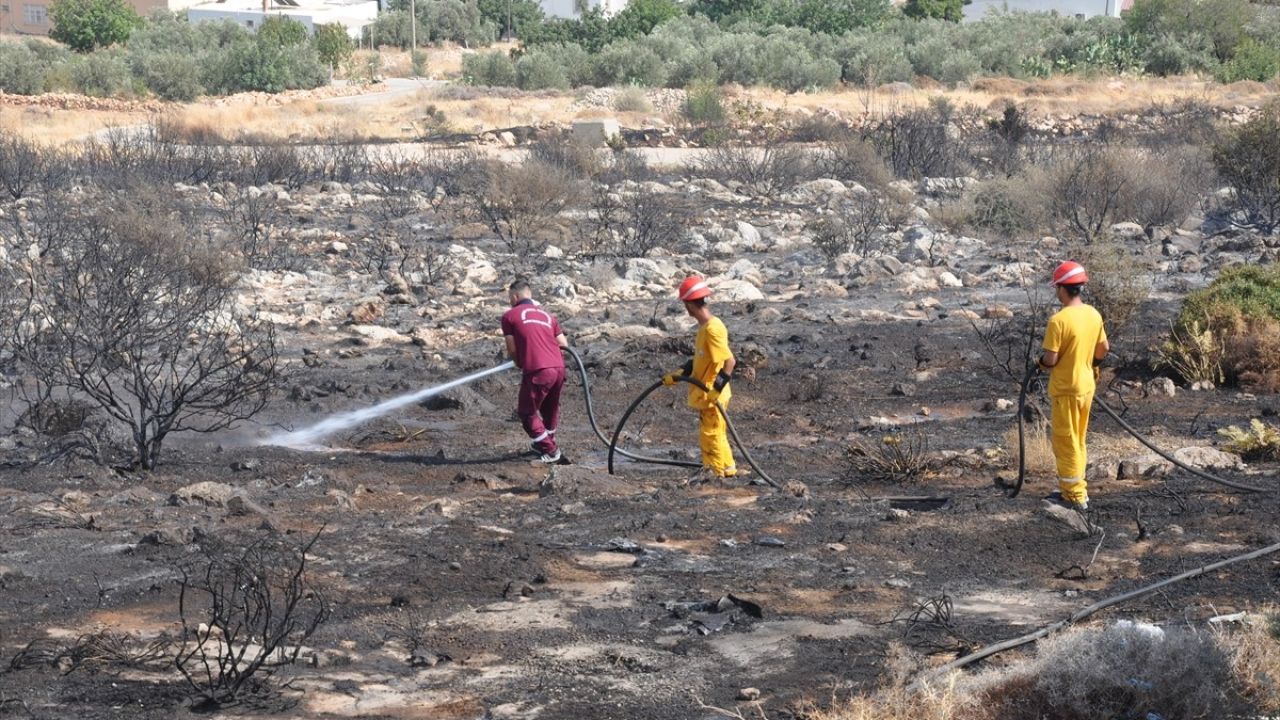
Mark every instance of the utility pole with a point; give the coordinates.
(413, 26)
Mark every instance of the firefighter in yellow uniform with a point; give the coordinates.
(1074, 343)
(712, 364)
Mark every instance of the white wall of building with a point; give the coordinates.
(1069, 8)
(569, 8)
(354, 17)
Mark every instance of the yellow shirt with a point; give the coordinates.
(1074, 333)
(710, 351)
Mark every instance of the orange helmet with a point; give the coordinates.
(1070, 273)
(694, 288)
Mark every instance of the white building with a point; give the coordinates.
(1070, 8)
(575, 8)
(354, 15)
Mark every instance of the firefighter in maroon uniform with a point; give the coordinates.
(534, 340)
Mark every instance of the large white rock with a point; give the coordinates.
(1208, 458)
(731, 290)
(596, 132)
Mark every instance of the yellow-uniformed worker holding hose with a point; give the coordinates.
(713, 365)
(1074, 343)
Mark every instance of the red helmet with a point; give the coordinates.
(694, 288)
(1070, 273)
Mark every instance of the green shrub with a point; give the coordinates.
(704, 104)
(490, 69)
(85, 25)
(390, 29)
(172, 75)
(282, 32)
(537, 70)
(21, 72)
(629, 63)
(1258, 442)
(334, 46)
(572, 60)
(1252, 61)
(1240, 293)
(102, 74)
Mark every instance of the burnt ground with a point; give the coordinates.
(566, 592)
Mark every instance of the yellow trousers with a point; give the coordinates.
(1070, 422)
(713, 436)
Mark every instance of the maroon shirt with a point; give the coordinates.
(535, 331)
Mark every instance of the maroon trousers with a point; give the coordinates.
(538, 406)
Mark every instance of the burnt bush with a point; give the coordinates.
(1090, 191)
(853, 160)
(925, 142)
(1248, 159)
(520, 203)
(278, 163)
(632, 222)
(132, 307)
(246, 610)
(26, 167)
(766, 171)
(857, 226)
(1167, 183)
(572, 155)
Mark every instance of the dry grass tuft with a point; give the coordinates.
(1255, 658)
(1039, 448)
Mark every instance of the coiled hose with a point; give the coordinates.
(617, 433)
(591, 417)
(1022, 447)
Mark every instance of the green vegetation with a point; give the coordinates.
(175, 60)
(1257, 442)
(1238, 294)
(86, 25)
(793, 45)
(1241, 311)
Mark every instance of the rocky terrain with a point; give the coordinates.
(465, 580)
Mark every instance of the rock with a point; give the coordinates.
(948, 279)
(729, 290)
(897, 583)
(1161, 387)
(1066, 516)
(337, 247)
(1144, 466)
(994, 312)
(770, 541)
(1128, 230)
(596, 132)
(1190, 264)
(1102, 471)
(1208, 458)
(903, 390)
(896, 515)
(208, 493)
(246, 465)
(998, 405)
(750, 235)
(167, 537)
(367, 312)
(76, 500)
(507, 138)
(342, 500)
(890, 264)
(749, 694)
(240, 505)
(461, 398)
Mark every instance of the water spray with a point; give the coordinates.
(307, 438)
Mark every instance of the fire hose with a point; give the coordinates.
(612, 443)
(1028, 381)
